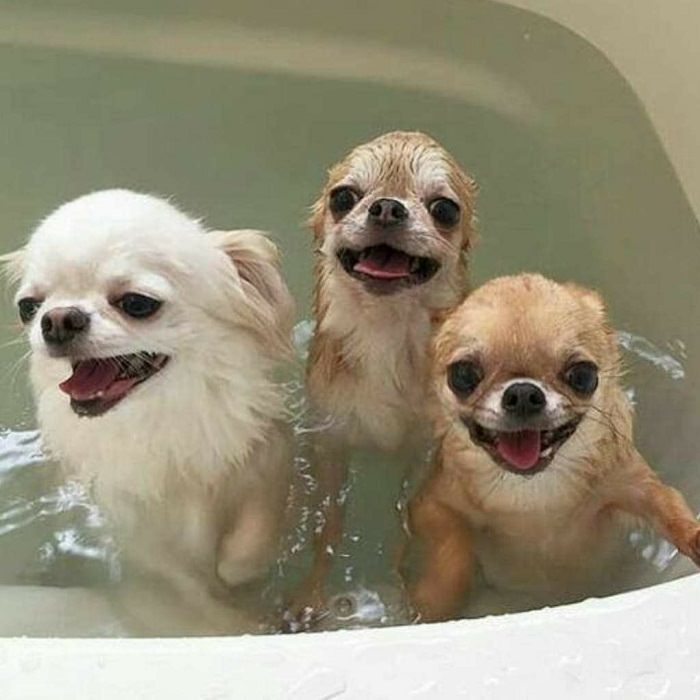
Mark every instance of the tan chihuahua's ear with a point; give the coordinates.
(270, 307)
(589, 297)
(595, 303)
(12, 265)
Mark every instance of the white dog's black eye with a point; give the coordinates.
(342, 200)
(444, 211)
(138, 305)
(463, 377)
(28, 308)
(582, 377)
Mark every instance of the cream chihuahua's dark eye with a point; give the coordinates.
(28, 308)
(342, 200)
(463, 377)
(582, 377)
(138, 305)
(444, 211)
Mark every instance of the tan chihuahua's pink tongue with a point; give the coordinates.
(384, 263)
(96, 379)
(521, 450)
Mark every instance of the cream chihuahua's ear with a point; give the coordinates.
(12, 265)
(270, 308)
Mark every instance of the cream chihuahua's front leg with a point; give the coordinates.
(254, 537)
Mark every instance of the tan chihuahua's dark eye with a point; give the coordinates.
(342, 200)
(138, 305)
(463, 377)
(582, 377)
(28, 308)
(444, 211)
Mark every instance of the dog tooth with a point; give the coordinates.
(415, 265)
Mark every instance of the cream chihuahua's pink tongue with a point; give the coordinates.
(93, 379)
(520, 449)
(385, 264)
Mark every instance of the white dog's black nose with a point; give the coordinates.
(387, 212)
(523, 399)
(62, 324)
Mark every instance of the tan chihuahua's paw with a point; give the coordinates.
(694, 552)
(304, 613)
(687, 540)
(424, 605)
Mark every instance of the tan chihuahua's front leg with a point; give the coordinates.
(447, 564)
(663, 507)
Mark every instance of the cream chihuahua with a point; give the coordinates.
(536, 479)
(392, 227)
(153, 343)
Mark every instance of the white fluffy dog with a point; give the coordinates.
(153, 347)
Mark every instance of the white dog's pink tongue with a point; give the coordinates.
(521, 449)
(385, 263)
(92, 379)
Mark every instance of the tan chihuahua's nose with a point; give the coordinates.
(387, 212)
(523, 400)
(62, 324)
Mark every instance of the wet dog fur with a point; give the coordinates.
(536, 480)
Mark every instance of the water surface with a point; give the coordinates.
(237, 109)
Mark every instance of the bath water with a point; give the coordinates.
(236, 111)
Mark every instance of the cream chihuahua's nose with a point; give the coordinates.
(523, 400)
(62, 324)
(387, 212)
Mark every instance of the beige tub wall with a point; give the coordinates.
(664, 73)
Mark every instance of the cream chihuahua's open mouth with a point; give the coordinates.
(99, 384)
(522, 451)
(386, 268)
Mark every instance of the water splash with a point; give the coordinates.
(645, 349)
(50, 531)
(301, 337)
(19, 448)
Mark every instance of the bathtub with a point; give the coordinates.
(643, 643)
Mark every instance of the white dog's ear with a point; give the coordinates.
(269, 305)
(12, 265)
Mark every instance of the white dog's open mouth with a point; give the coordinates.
(99, 384)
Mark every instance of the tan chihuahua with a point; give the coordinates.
(393, 226)
(537, 479)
